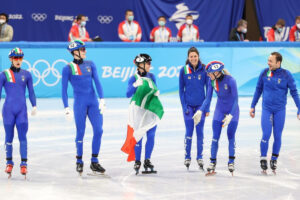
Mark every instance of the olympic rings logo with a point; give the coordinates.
(105, 19)
(50, 69)
(39, 17)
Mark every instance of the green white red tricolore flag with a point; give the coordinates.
(145, 111)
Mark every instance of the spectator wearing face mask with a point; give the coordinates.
(78, 30)
(161, 33)
(295, 31)
(275, 33)
(188, 32)
(6, 30)
(239, 33)
(130, 30)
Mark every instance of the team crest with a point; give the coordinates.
(88, 69)
(189, 77)
(279, 80)
(199, 77)
(225, 87)
(23, 78)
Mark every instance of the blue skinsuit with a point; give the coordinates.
(85, 104)
(151, 132)
(14, 110)
(227, 103)
(192, 94)
(274, 90)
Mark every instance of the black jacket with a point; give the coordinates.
(236, 35)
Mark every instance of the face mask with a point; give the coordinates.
(298, 26)
(279, 30)
(83, 23)
(130, 18)
(189, 21)
(2, 21)
(161, 23)
(244, 30)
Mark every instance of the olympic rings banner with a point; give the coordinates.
(114, 62)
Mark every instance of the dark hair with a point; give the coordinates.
(5, 15)
(128, 10)
(189, 15)
(278, 56)
(241, 22)
(161, 17)
(192, 49)
(280, 22)
(297, 18)
(79, 17)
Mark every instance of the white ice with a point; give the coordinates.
(51, 159)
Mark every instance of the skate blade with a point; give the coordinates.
(274, 172)
(9, 175)
(97, 174)
(210, 174)
(149, 172)
(264, 172)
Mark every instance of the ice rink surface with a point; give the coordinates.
(51, 160)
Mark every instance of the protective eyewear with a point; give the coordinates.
(17, 58)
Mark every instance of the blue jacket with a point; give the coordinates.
(82, 83)
(227, 93)
(274, 90)
(191, 86)
(131, 90)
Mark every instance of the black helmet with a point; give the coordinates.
(142, 58)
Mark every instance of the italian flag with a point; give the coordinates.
(10, 76)
(270, 73)
(215, 85)
(145, 111)
(187, 70)
(75, 69)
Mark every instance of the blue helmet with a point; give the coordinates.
(214, 66)
(16, 52)
(75, 45)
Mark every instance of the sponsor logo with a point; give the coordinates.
(39, 17)
(15, 16)
(182, 11)
(63, 18)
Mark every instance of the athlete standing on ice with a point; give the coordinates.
(14, 111)
(192, 82)
(81, 74)
(273, 83)
(143, 63)
(226, 112)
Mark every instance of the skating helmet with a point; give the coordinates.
(214, 66)
(16, 52)
(75, 45)
(142, 58)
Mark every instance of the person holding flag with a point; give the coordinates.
(14, 111)
(226, 111)
(81, 74)
(145, 111)
(273, 83)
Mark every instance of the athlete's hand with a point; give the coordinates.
(207, 114)
(102, 106)
(157, 93)
(68, 113)
(298, 114)
(252, 112)
(33, 111)
(138, 83)
(197, 117)
(227, 120)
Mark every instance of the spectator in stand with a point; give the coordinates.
(239, 33)
(6, 30)
(129, 30)
(161, 33)
(295, 31)
(78, 30)
(275, 33)
(188, 32)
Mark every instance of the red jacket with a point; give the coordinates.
(271, 35)
(74, 34)
(293, 32)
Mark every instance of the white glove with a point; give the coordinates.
(33, 111)
(102, 106)
(138, 83)
(227, 120)
(68, 114)
(157, 93)
(197, 117)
